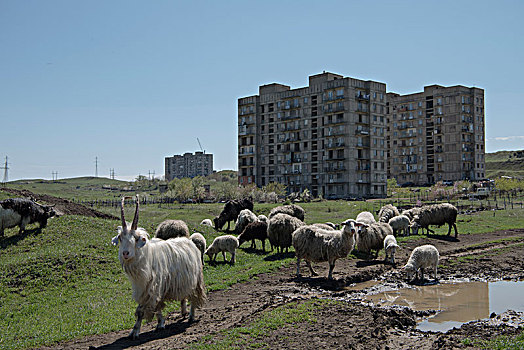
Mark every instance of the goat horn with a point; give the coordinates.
(124, 225)
(134, 225)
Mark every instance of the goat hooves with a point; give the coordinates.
(133, 335)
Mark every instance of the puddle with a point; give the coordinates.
(361, 285)
(459, 302)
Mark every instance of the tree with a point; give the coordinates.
(181, 188)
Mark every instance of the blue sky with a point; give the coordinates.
(131, 82)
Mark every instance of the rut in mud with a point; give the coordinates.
(351, 324)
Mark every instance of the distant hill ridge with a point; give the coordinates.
(507, 163)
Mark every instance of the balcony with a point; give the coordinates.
(361, 96)
(363, 144)
(335, 144)
(334, 169)
(335, 121)
(363, 131)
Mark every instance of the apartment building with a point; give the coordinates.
(328, 137)
(436, 135)
(188, 165)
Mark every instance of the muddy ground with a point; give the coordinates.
(352, 324)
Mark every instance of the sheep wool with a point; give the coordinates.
(206, 222)
(387, 212)
(400, 224)
(390, 247)
(245, 217)
(371, 237)
(291, 209)
(366, 217)
(253, 231)
(280, 228)
(315, 244)
(422, 257)
(172, 229)
(226, 243)
(435, 214)
(200, 242)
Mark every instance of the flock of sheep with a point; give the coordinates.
(170, 266)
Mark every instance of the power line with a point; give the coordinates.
(96, 166)
(55, 175)
(112, 174)
(6, 168)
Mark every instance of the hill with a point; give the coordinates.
(507, 163)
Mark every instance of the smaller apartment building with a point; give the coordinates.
(188, 165)
(436, 135)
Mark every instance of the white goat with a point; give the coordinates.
(159, 271)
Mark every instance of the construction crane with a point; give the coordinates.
(202, 149)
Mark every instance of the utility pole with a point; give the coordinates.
(6, 168)
(55, 175)
(96, 166)
(112, 173)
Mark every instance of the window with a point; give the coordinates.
(305, 100)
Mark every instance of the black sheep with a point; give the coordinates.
(255, 230)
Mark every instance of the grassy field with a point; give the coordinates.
(65, 281)
(504, 163)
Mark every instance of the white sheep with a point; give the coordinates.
(159, 271)
(200, 242)
(400, 224)
(365, 217)
(172, 229)
(279, 230)
(226, 243)
(245, 217)
(420, 258)
(206, 222)
(387, 212)
(313, 243)
(371, 237)
(390, 247)
(290, 209)
(435, 214)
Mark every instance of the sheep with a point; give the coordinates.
(366, 217)
(291, 209)
(172, 229)
(313, 243)
(387, 212)
(159, 271)
(21, 212)
(200, 242)
(262, 218)
(325, 226)
(372, 236)
(400, 224)
(245, 217)
(226, 243)
(390, 247)
(231, 211)
(255, 230)
(206, 222)
(279, 230)
(420, 258)
(435, 214)
(410, 213)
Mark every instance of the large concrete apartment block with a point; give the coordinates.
(436, 135)
(188, 165)
(328, 137)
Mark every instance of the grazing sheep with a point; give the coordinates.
(420, 258)
(291, 209)
(387, 212)
(245, 217)
(279, 230)
(390, 247)
(372, 236)
(172, 229)
(255, 230)
(159, 271)
(313, 243)
(226, 243)
(435, 214)
(207, 222)
(231, 211)
(200, 243)
(21, 212)
(410, 213)
(400, 224)
(366, 217)
(262, 218)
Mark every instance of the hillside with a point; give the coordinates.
(507, 163)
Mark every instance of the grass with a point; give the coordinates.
(499, 343)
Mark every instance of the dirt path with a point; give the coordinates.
(350, 326)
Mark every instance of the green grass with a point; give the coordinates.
(499, 343)
(252, 335)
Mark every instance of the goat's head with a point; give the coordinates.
(130, 238)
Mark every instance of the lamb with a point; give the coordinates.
(279, 230)
(420, 258)
(245, 217)
(172, 229)
(291, 209)
(435, 214)
(255, 230)
(366, 217)
(400, 224)
(226, 243)
(231, 211)
(159, 271)
(390, 247)
(313, 243)
(372, 236)
(206, 222)
(200, 242)
(387, 212)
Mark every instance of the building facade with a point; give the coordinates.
(188, 165)
(436, 135)
(328, 137)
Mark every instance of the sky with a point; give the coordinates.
(122, 84)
